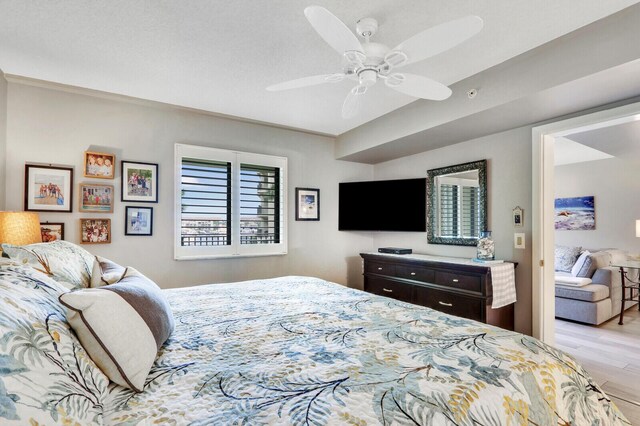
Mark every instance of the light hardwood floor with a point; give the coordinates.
(611, 354)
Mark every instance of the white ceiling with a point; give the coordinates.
(219, 56)
(618, 140)
(567, 151)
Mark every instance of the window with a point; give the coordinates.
(229, 203)
(459, 207)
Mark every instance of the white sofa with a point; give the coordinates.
(598, 301)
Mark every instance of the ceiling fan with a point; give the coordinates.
(368, 62)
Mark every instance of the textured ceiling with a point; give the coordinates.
(219, 56)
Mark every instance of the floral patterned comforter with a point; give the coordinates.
(291, 350)
(304, 351)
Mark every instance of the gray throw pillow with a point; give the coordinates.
(565, 257)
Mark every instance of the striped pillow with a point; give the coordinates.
(121, 326)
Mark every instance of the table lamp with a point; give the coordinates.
(20, 228)
(638, 228)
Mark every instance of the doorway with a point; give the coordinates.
(543, 231)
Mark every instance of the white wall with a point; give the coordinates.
(3, 134)
(54, 126)
(615, 184)
(509, 185)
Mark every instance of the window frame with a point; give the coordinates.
(235, 249)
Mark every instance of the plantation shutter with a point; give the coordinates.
(470, 211)
(259, 204)
(205, 203)
(448, 210)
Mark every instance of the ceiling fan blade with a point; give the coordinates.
(351, 104)
(306, 81)
(437, 39)
(418, 86)
(332, 30)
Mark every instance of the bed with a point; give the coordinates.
(291, 350)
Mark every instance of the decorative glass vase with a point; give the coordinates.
(486, 246)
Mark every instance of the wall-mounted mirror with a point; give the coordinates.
(457, 203)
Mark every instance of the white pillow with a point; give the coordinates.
(584, 266)
(572, 281)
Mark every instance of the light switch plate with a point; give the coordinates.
(518, 240)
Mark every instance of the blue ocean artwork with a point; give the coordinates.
(576, 213)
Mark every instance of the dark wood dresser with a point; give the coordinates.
(456, 289)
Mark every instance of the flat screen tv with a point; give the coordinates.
(383, 205)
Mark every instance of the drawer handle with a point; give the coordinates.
(455, 280)
(380, 269)
(387, 290)
(413, 273)
(445, 304)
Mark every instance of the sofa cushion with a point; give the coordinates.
(584, 266)
(601, 259)
(588, 293)
(572, 281)
(565, 257)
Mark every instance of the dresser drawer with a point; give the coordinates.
(415, 273)
(382, 287)
(459, 281)
(380, 268)
(449, 303)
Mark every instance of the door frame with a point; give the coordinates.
(543, 175)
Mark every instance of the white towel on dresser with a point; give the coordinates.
(503, 280)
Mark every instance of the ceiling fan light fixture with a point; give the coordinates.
(368, 61)
(368, 77)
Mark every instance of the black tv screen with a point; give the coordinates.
(383, 205)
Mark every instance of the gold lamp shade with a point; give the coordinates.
(20, 228)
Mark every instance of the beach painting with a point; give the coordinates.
(577, 213)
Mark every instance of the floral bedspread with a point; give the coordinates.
(291, 350)
(303, 351)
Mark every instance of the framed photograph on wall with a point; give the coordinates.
(307, 204)
(53, 231)
(96, 198)
(518, 217)
(139, 182)
(48, 188)
(100, 165)
(138, 221)
(95, 231)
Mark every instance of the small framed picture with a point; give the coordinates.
(48, 188)
(96, 198)
(53, 231)
(95, 231)
(518, 217)
(307, 204)
(139, 182)
(139, 221)
(99, 165)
